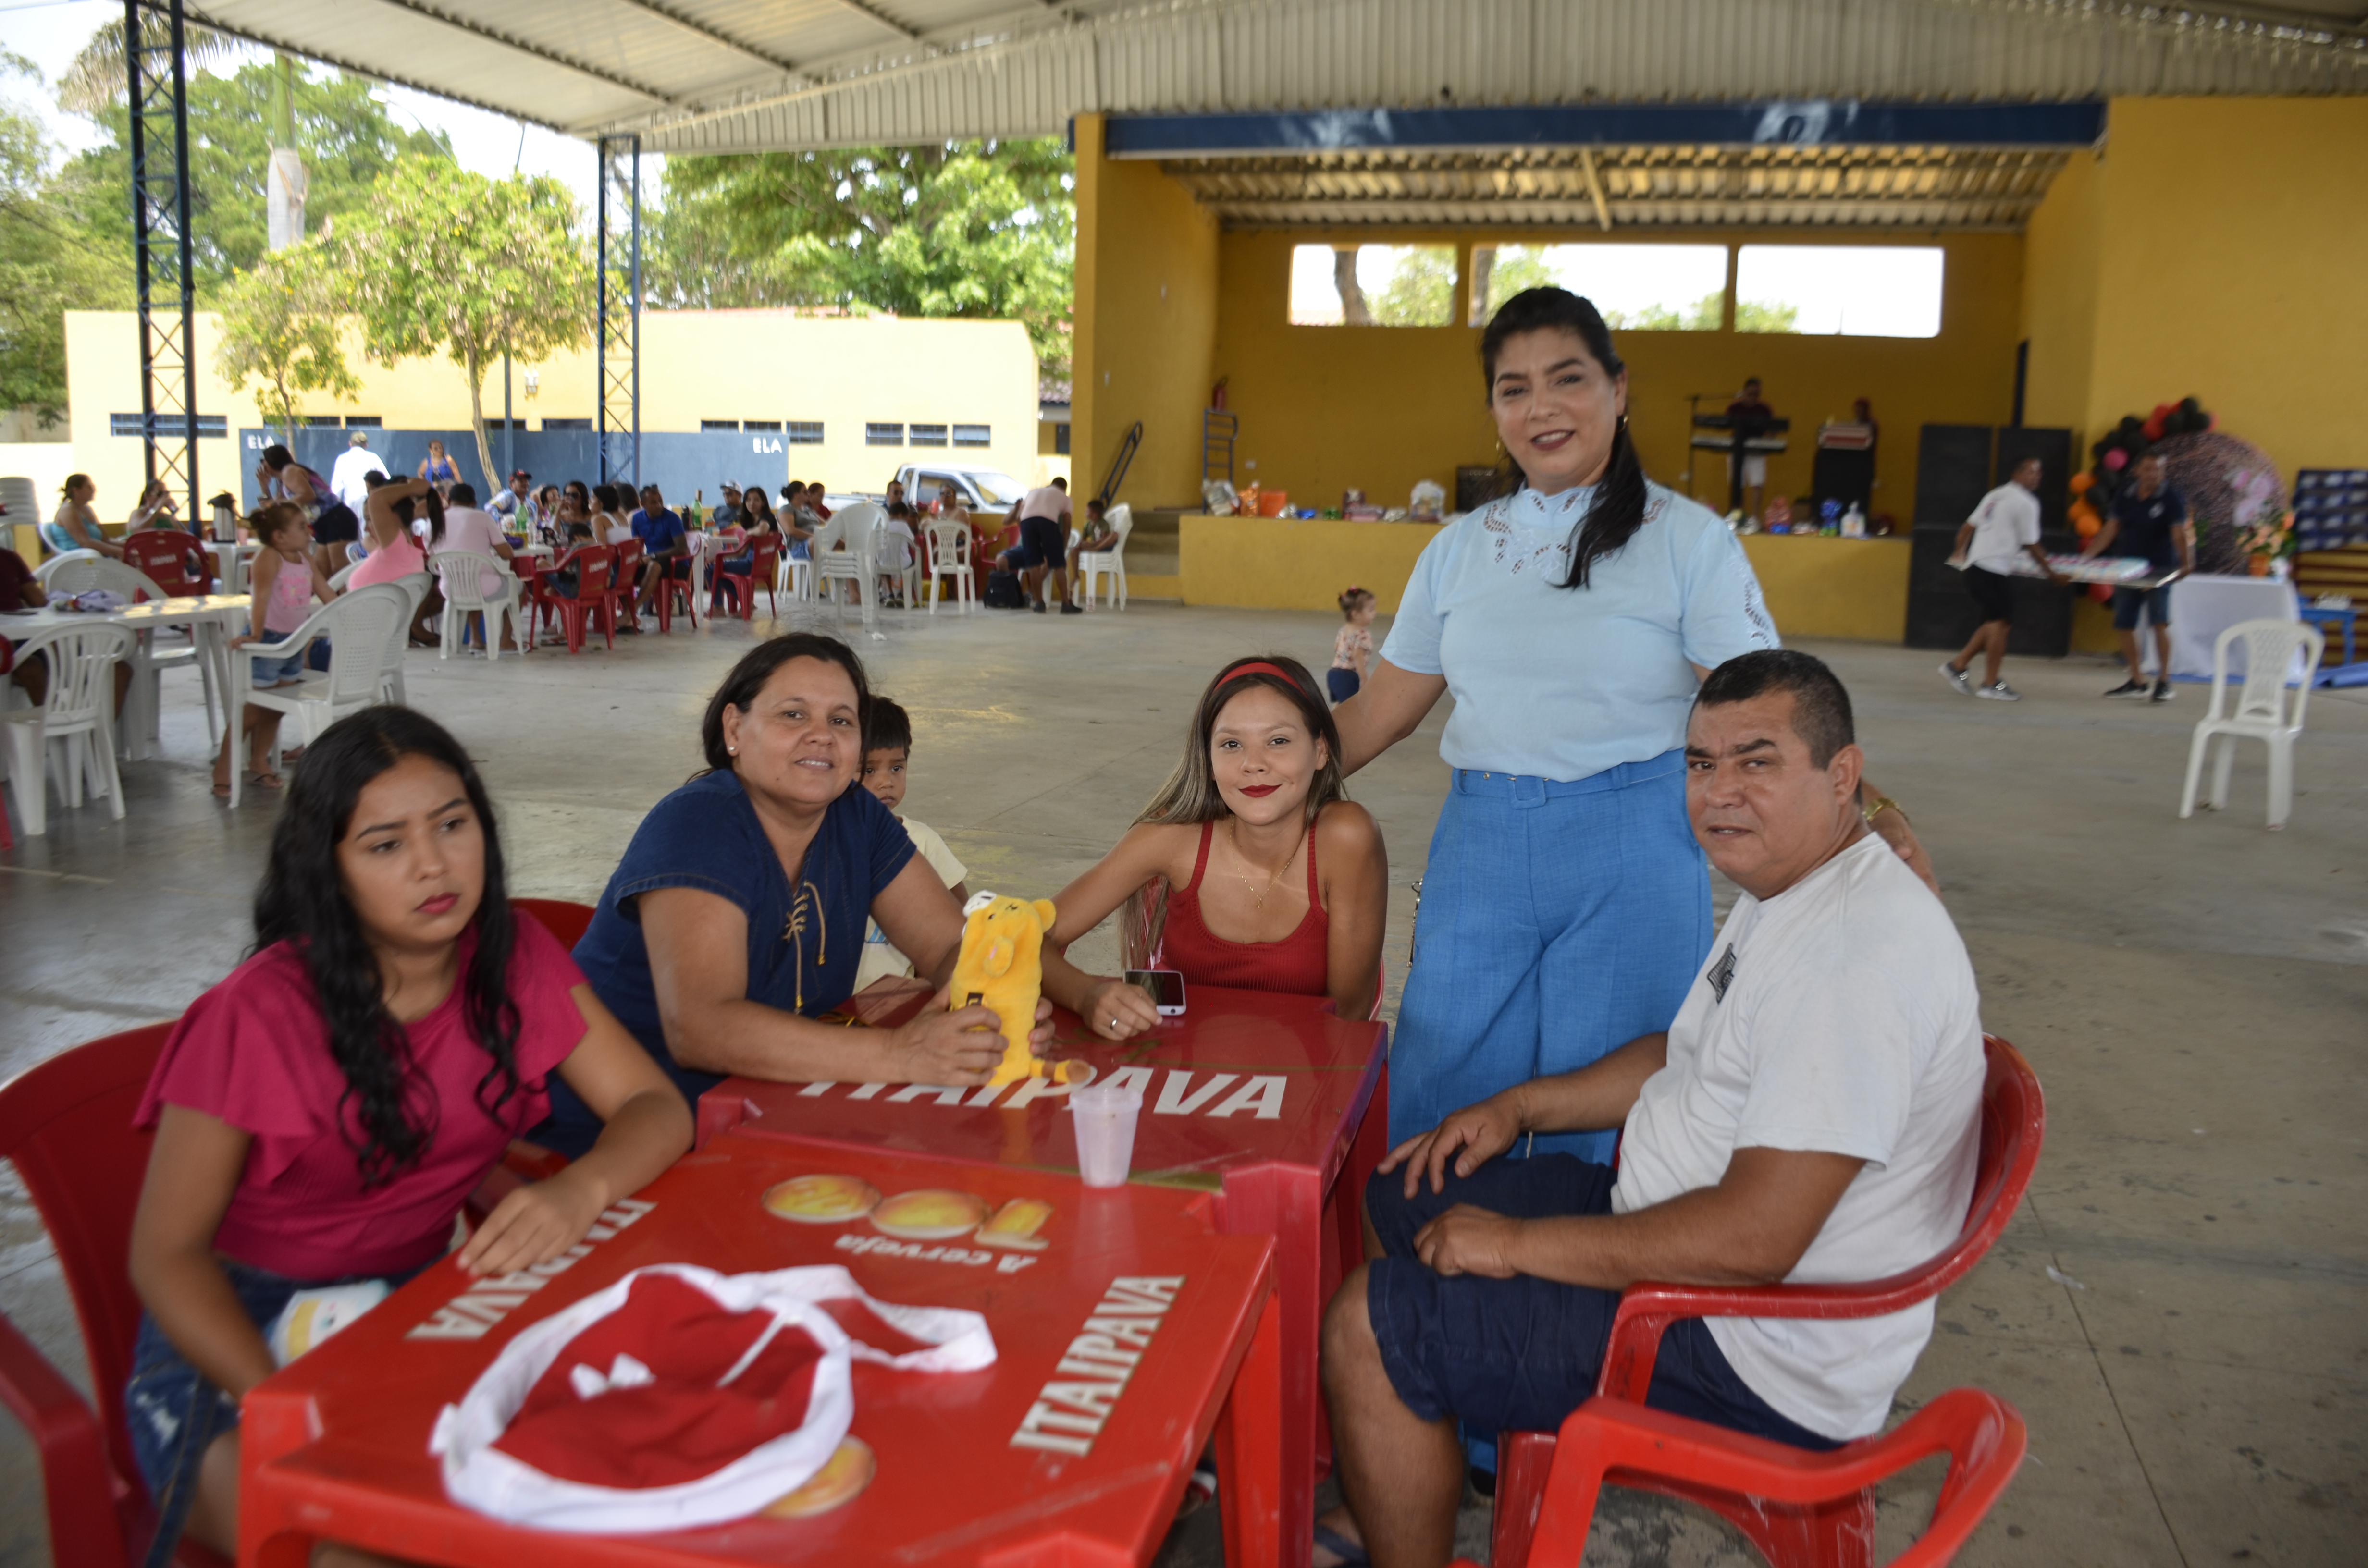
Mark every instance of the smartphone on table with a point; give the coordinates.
(1163, 986)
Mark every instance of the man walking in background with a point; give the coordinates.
(1043, 518)
(2149, 518)
(349, 475)
(2004, 527)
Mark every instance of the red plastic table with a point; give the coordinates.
(970, 1467)
(1269, 1102)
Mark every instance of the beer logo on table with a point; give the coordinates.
(908, 1219)
(1071, 1409)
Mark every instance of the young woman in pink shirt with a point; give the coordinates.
(322, 1114)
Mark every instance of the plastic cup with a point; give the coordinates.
(1105, 1116)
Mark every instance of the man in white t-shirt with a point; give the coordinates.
(1811, 1115)
(2003, 529)
(1043, 550)
(349, 475)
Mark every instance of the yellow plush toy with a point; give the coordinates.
(1002, 967)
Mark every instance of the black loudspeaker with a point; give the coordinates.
(1953, 472)
(1940, 611)
(2054, 450)
(1843, 476)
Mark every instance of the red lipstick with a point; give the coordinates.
(1259, 791)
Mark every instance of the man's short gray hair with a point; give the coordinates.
(359, 438)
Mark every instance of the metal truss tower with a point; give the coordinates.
(159, 100)
(619, 322)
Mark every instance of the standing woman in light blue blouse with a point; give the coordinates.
(1566, 907)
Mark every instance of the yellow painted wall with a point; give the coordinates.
(1296, 563)
(695, 365)
(1817, 585)
(1146, 324)
(2230, 269)
(2062, 246)
(1323, 409)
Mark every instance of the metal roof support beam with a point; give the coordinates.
(618, 325)
(156, 90)
(1595, 189)
(881, 16)
(1770, 122)
(715, 36)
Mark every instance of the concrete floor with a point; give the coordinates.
(2179, 1309)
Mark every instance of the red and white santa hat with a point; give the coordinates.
(679, 1397)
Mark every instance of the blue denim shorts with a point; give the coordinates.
(2131, 603)
(173, 1412)
(272, 672)
(1520, 1355)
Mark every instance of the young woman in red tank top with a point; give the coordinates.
(1251, 868)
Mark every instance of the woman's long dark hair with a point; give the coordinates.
(302, 899)
(1617, 509)
(756, 668)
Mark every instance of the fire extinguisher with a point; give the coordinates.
(1217, 394)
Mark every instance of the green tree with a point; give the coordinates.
(1421, 289)
(1705, 314)
(956, 229)
(348, 139)
(440, 260)
(53, 257)
(1513, 269)
(1766, 315)
(280, 328)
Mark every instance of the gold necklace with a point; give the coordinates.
(1233, 832)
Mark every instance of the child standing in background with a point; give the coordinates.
(1352, 646)
(887, 752)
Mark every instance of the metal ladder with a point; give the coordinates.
(1218, 431)
(1126, 450)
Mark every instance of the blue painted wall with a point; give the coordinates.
(678, 462)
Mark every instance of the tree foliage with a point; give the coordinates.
(49, 263)
(280, 328)
(957, 229)
(1421, 289)
(441, 260)
(348, 140)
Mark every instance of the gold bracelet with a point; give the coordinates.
(1870, 810)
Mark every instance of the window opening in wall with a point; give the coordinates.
(364, 421)
(1849, 290)
(877, 435)
(1060, 439)
(1637, 288)
(804, 432)
(928, 436)
(1373, 285)
(973, 436)
(567, 424)
(773, 424)
(210, 426)
(709, 426)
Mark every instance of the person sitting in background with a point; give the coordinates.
(515, 505)
(729, 545)
(1210, 875)
(734, 921)
(896, 543)
(665, 546)
(896, 494)
(1812, 1113)
(349, 475)
(282, 583)
(394, 552)
(157, 509)
(887, 763)
(546, 524)
(1096, 538)
(439, 469)
(75, 524)
(321, 1115)
(727, 511)
(795, 507)
(815, 502)
(758, 512)
(609, 509)
(466, 528)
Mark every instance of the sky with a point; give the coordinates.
(50, 32)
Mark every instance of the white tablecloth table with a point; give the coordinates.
(2204, 606)
(214, 618)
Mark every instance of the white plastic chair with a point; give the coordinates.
(2270, 649)
(414, 593)
(83, 570)
(355, 554)
(949, 546)
(852, 525)
(462, 574)
(796, 575)
(73, 730)
(1094, 564)
(64, 561)
(359, 627)
(344, 574)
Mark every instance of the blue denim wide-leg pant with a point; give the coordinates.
(1559, 922)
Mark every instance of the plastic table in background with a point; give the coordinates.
(335, 1446)
(1269, 1102)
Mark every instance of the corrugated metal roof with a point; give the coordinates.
(1653, 186)
(717, 75)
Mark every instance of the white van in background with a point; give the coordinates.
(984, 490)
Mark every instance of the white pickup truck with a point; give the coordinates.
(984, 490)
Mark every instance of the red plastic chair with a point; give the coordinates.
(172, 560)
(66, 1125)
(1832, 1533)
(625, 582)
(672, 587)
(740, 583)
(595, 597)
(1628, 1445)
(562, 919)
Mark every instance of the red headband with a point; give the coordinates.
(1259, 668)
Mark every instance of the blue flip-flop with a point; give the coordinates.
(1350, 1553)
